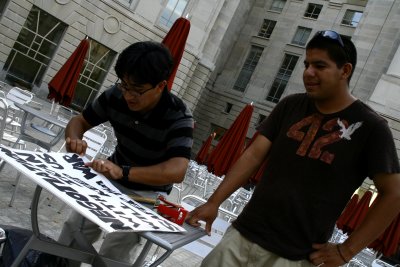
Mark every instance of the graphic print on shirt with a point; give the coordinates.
(305, 131)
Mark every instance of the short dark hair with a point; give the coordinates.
(336, 52)
(145, 62)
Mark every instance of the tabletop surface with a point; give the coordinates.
(42, 115)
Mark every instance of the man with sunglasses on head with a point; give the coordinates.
(154, 131)
(320, 146)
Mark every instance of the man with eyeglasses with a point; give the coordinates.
(320, 145)
(154, 131)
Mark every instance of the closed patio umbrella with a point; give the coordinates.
(201, 156)
(231, 144)
(62, 86)
(348, 210)
(175, 40)
(358, 215)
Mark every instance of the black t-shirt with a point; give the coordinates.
(315, 164)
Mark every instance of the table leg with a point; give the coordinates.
(52, 247)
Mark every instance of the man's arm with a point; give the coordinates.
(74, 131)
(236, 177)
(380, 215)
(167, 172)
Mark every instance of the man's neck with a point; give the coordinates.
(336, 104)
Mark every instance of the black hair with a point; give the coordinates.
(340, 55)
(145, 62)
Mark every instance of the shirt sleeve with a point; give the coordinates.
(180, 138)
(381, 151)
(96, 112)
(269, 127)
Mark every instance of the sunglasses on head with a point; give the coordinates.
(330, 35)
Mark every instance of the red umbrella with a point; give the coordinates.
(62, 86)
(357, 216)
(347, 212)
(231, 145)
(202, 155)
(175, 40)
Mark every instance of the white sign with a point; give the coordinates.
(86, 191)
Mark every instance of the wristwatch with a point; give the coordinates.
(125, 172)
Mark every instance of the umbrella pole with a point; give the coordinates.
(52, 106)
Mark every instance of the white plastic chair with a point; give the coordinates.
(95, 140)
(3, 116)
(205, 244)
(5, 135)
(17, 95)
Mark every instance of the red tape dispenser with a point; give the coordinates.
(171, 211)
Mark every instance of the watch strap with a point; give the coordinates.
(125, 172)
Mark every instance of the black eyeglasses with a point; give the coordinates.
(330, 35)
(131, 91)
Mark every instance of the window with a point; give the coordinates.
(352, 18)
(267, 28)
(228, 107)
(95, 68)
(301, 36)
(313, 11)
(173, 10)
(3, 4)
(34, 48)
(248, 68)
(282, 78)
(218, 130)
(277, 5)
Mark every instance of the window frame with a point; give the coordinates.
(248, 67)
(277, 5)
(34, 48)
(168, 21)
(313, 15)
(282, 78)
(265, 32)
(351, 23)
(302, 42)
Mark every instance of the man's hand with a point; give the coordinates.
(76, 146)
(206, 212)
(107, 168)
(327, 255)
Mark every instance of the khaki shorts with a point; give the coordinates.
(235, 250)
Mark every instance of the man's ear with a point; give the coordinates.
(161, 85)
(347, 69)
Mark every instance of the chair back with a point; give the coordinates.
(95, 140)
(17, 95)
(3, 116)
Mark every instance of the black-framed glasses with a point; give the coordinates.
(131, 91)
(330, 35)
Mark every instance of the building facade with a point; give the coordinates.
(265, 63)
(37, 37)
